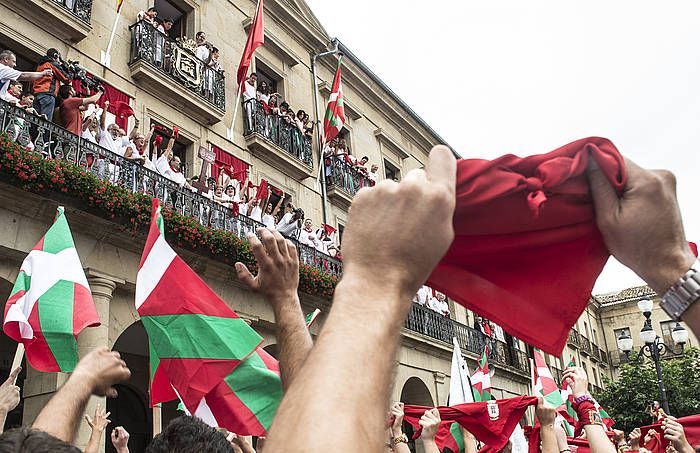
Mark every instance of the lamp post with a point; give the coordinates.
(654, 347)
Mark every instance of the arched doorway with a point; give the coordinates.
(415, 392)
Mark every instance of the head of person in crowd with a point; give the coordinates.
(200, 38)
(263, 87)
(253, 78)
(230, 191)
(113, 130)
(211, 183)
(187, 433)
(374, 168)
(332, 250)
(284, 107)
(215, 53)
(27, 98)
(306, 118)
(301, 114)
(175, 163)
(440, 296)
(8, 58)
(54, 55)
(308, 225)
(289, 207)
(167, 24)
(298, 214)
(66, 92)
(268, 208)
(272, 102)
(33, 440)
(140, 142)
(364, 160)
(15, 89)
(219, 191)
(152, 12)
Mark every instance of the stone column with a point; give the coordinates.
(102, 287)
(440, 394)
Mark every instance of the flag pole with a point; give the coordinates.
(157, 419)
(106, 58)
(229, 131)
(19, 355)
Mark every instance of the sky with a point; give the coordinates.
(525, 77)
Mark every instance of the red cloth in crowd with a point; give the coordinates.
(491, 428)
(263, 190)
(532, 271)
(228, 163)
(116, 99)
(691, 428)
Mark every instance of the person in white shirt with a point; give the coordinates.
(249, 95)
(422, 296)
(268, 219)
(255, 211)
(90, 129)
(290, 223)
(149, 16)
(306, 235)
(8, 61)
(438, 304)
(168, 165)
(203, 47)
(13, 93)
(373, 176)
(110, 136)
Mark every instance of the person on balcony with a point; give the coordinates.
(268, 219)
(91, 128)
(112, 137)
(160, 38)
(149, 16)
(203, 51)
(13, 93)
(422, 295)
(8, 61)
(307, 235)
(290, 223)
(170, 165)
(71, 107)
(249, 94)
(46, 88)
(373, 176)
(216, 67)
(27, 103)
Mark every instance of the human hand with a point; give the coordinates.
(650, 435)
(47, 72)
(430, 422)
(396, 413)
(634, 438)
(545, 414)
(618, 436)
(100, 421)
(106, 104)
(278, 267)
(673, 431)
(137, 122)
(423, 201)
(578, 380)
(120, 439)
(656, 250)
(9, 392)
(100, 370)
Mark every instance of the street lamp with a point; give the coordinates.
(653, 347)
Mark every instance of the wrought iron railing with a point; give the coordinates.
(442, 328)
(54, 142)
(278, 130)
(595, 390)
(344, 176)
(574, 338)
(595, 351)
(82, 9)
(585, 345)
(177, 60)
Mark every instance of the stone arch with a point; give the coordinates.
(415, 391)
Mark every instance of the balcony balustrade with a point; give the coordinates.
(343, 180)
(574, 338)
(64, 18)
(54, 142)
(585, 344)
(276, 140)
(429, 323)
(172, 70)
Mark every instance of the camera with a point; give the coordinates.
(74, 71)
(299, 213)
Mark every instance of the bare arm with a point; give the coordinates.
(277, 281)
(469, 441)
(595, 433)
(97, 426)
(9, 396)
(277, 206)
(103, 117)
(92, 99)
(135, 129)
(373, 303)
(29, 76)
(94, 374)
(546, 416)
(430, 422)
(169, 148)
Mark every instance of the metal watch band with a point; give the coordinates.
(683, 293)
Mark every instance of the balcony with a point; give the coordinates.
(64, 18)
(426, 322)
(171, 70)
(275, 140)
(596, 353)
(574, 338)
(343, 180)
(54, 142)
(585, 346)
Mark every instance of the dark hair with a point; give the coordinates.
(51, 53)
(168, 19)
(64, 92)
(199, 33)
(33, 440)
(285, 105)
(365, 158)
(252, 74)
(214, 49)
(14, 83)
(152, 8)
(189, 434)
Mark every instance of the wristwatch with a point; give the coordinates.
(683, 293)
(399, 439)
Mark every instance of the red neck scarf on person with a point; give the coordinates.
(658, 444)
(491, 422)
(527, 250)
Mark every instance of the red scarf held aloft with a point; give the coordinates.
(658, 444)
(527, 250)
(491, 427)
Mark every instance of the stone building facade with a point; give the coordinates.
(167, 86)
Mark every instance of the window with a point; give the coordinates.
(585, 329)
(595, 337)
(181, 147)
(230, 164)
(178, 12)
(267, 75)
(595, 376)
(622, 331)
(341, 228)
(666, 329)
(391, 172)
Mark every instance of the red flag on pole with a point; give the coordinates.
(335, 112)
(256, 38)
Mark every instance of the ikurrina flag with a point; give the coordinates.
(605, 417)
(311, 318)
(51, 302)
(481, 379)
(246, 400)
(196, 338)
(566, 410)
(543, 383)
(335, 112)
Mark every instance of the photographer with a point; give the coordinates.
(46, 88)
(290, 223)
(70, 106)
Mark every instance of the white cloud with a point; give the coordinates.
(526, 77)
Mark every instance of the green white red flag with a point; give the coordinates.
(566, 410)
(196, 340)
(335, 112)
(311, 318)
(543, 383)
(51, 302)
(481, 379)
